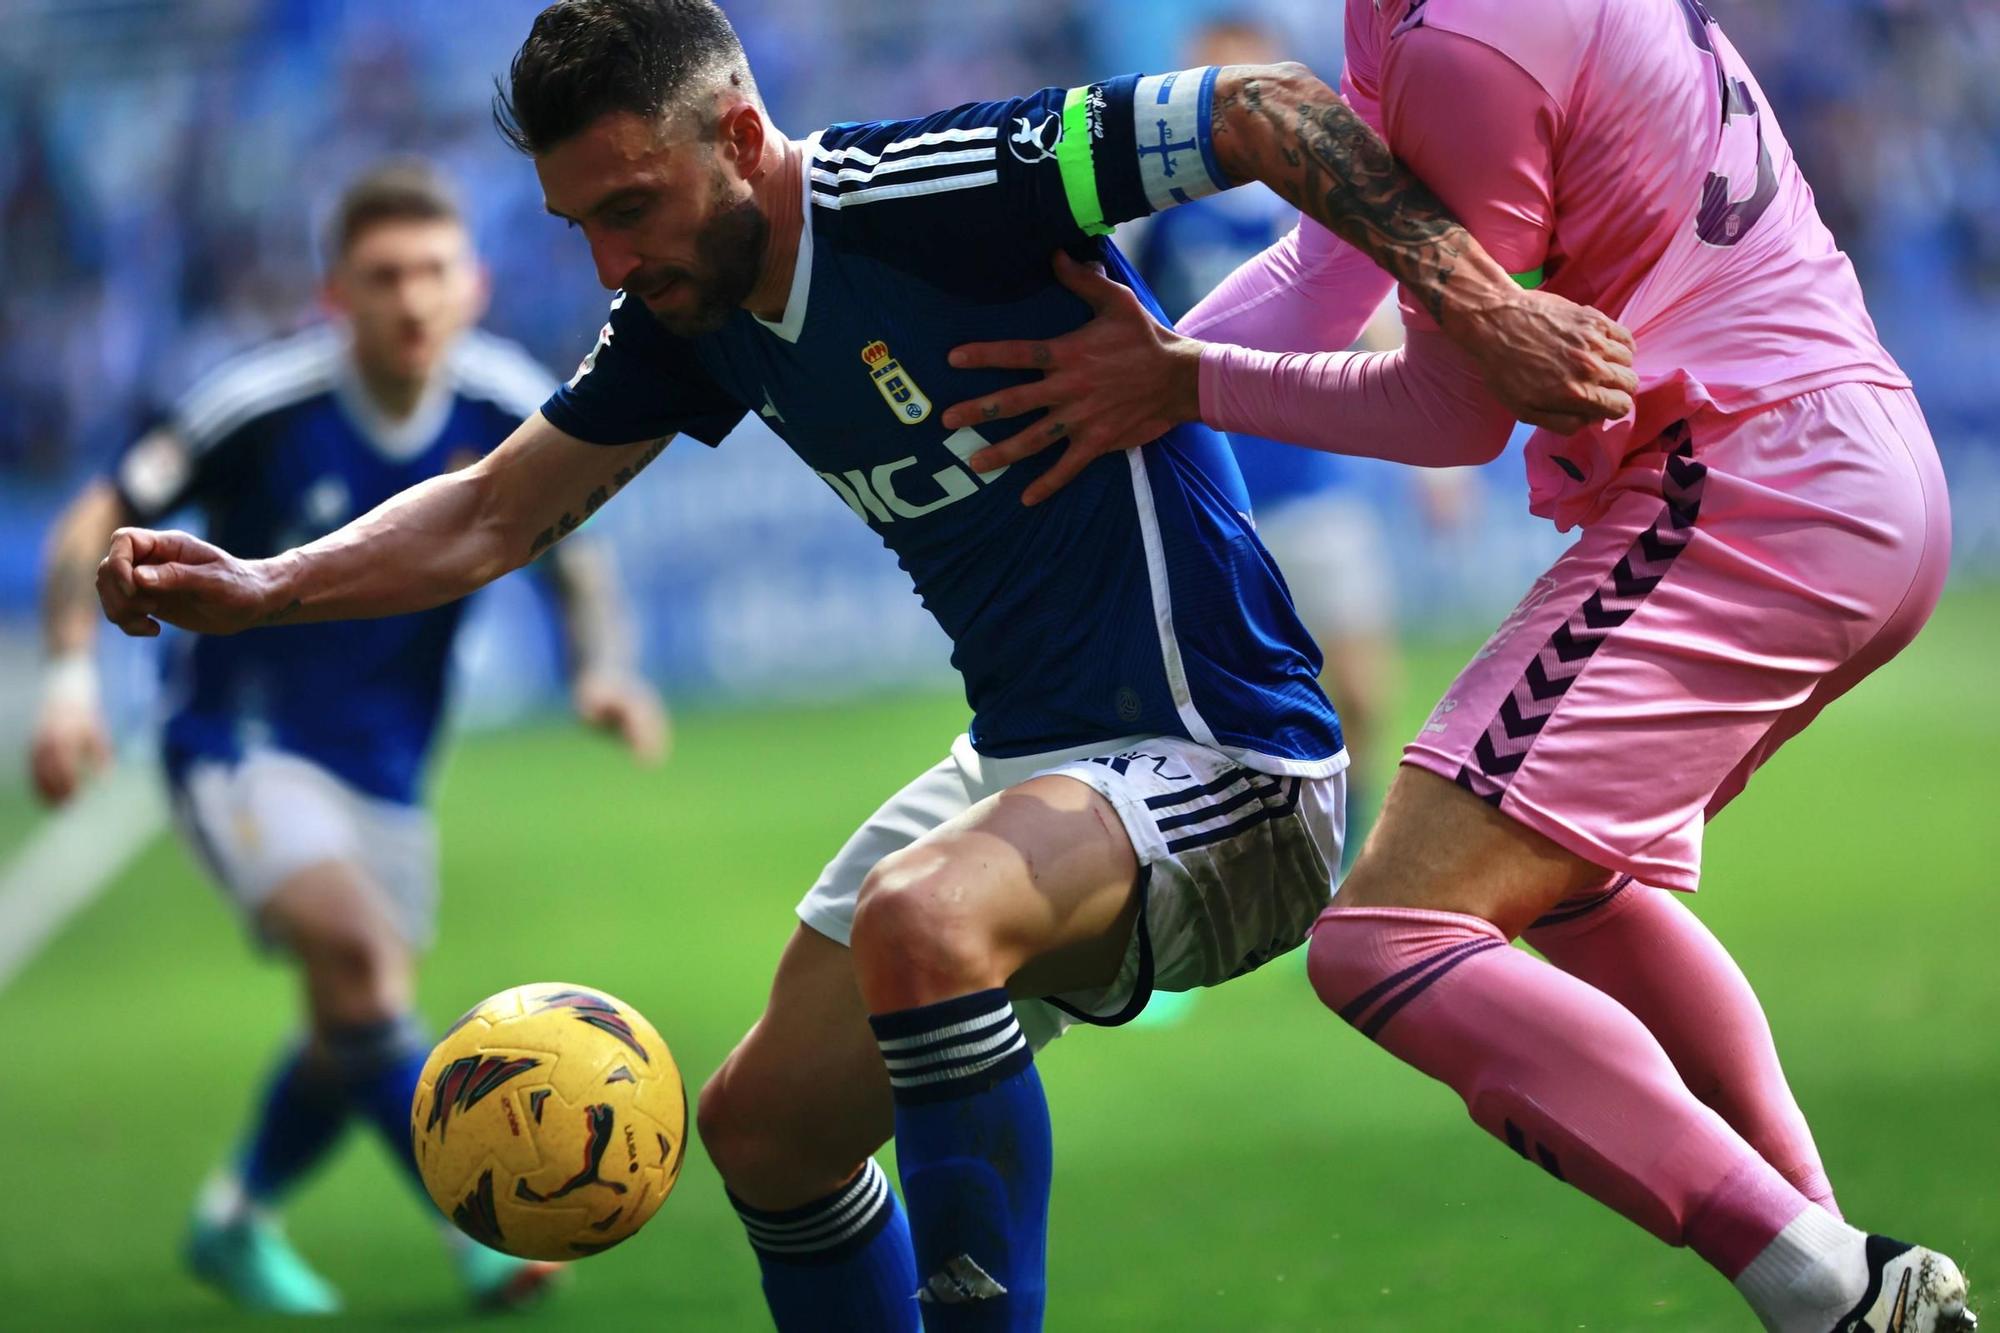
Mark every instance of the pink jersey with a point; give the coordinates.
(1621, 153)
(1627, 153)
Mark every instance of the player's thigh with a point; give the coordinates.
(270, 826)
(1669, 645)
(336, 922)
(335, 879)
(1234, 866)
(1036, 883)
(1437, 847)
(804, 1097)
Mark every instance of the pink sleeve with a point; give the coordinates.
(1481, 132)
(1308, 292)
(1361, 66)
(1422, 404)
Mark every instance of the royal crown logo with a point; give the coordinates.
(898, 390)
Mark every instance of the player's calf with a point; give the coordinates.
(790, 1121)
(360, 975)
(1575, 1084)
(1646, 950)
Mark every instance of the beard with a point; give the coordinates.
(729, 252)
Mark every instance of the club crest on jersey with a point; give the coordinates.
(898, 390)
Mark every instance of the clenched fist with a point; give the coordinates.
(150, 577)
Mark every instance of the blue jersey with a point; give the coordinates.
(1137, 601)
(1184, 254)
(282, 446)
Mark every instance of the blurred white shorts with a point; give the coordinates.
(1335, 558)
(262, 819)
(1234, 864)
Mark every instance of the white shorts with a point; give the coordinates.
(1335, 559)
(259, 821)
(1234, 864)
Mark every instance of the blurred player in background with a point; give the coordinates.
(1149, 793)
(1324, 531)
(296, 758)
(1769, 527)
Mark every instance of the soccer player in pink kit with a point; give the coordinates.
(1766, 528)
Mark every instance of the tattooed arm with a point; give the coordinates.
(432, 544)
(1505, 353)
(1550, 362)
(1280, 125)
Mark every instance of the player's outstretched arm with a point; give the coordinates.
(432, 544)
(70, 741)
(605, 684)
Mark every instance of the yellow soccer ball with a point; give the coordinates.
(550, 1121)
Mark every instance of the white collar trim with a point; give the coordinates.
(398, 441)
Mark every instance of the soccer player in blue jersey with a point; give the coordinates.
(296, 757)
(1149, 793)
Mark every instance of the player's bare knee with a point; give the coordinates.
(355, 972)
(916, 938)
(1371, 882)
(727, 1124)
(1439, 848)
(765, 1161)
(1334, 964)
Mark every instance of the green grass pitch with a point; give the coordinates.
(1257, 1167)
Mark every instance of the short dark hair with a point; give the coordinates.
(588, 58)
(405, 190)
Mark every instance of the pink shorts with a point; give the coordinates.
(1752, 573)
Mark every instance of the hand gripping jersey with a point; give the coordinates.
(1182, 255)
(1135, 602)
(280, 447)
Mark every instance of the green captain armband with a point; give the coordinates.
(1074, 159)
(1134, 145)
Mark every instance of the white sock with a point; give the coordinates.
(222, 1201)
(1810, 1274)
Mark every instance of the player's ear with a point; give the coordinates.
(740, 138)
(482, 291)
(333, 290)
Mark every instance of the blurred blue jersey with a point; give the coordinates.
(1184, 254)
(280, 447)
(1137, 601)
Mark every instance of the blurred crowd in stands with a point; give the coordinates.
(164, 163)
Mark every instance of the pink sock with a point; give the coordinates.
(1560, 1071)
(1646, 950)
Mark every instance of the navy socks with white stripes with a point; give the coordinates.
(840, 1264)
(379, 1064)
(299, 1119)
(973, 1149)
